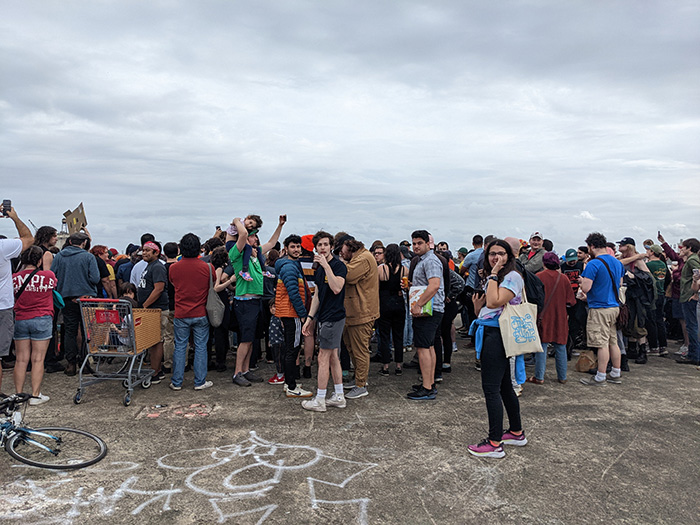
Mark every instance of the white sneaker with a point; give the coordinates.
(206, 384)
(316, 404)
(286, 387)
(683, 350)
(336, 400)
(41, 398)
(298, 392)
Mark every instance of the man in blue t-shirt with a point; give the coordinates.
(328, 311)
(600, 281)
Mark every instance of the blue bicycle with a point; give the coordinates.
(48, 447)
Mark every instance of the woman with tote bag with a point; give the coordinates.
(504, 286)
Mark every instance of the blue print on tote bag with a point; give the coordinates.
(523, 329)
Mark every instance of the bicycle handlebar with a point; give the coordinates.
(14, 400)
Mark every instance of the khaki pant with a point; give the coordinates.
(356, 339)
(166, 326)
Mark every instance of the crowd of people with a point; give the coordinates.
(326, 296)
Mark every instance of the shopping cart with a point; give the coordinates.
(117, 338)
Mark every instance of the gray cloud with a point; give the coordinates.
(376, 118)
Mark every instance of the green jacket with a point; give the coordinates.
(687, 277)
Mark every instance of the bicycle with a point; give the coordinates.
(48, 447)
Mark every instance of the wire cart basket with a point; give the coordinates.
(117, 337)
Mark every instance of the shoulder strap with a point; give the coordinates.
(549, 299)
(615, 287)
(25, 283)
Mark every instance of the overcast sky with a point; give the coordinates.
(374, 117)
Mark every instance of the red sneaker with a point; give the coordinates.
(276, 379)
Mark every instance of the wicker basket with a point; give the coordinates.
(146, 328)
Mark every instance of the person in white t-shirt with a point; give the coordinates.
(9, 249)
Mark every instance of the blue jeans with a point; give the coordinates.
(408, 328)
(690, 313)
(199, 327)
(559, 358)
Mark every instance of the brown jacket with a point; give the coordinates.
(361, 289)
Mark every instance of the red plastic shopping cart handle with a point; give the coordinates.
(96, 300)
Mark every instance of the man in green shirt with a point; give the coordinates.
(247, 303)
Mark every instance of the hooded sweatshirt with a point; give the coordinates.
(76, 271)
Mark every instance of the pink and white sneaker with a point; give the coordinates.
(486, 450)
(511, 439)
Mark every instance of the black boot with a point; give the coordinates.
(642, 357)
(624, 365)
(632, 350)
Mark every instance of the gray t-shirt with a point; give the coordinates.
(429, 266)
(155, 273)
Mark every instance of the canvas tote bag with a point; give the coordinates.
(215, 308)
(518, 324)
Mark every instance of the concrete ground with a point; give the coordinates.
(625, 453)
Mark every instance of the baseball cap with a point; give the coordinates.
(463, 250)
(626, 240)
(658, 250)
(113, 252)
(571, 255)
(131, 249)
(537, 234)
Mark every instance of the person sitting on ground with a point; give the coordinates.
(33, 320)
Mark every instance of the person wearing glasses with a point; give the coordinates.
(504, 285)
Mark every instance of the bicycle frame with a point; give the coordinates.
(29, 432)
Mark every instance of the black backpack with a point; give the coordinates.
(456, 285)
(534, 288)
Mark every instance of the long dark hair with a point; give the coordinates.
(43, 235)
(219, 257)
(508, 267)
(392, 257)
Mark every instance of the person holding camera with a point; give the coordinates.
(9, 249)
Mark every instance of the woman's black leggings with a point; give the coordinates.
(495, 381)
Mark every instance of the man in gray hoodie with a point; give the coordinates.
(77, 274)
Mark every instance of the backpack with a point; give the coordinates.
(534, 288)
(456, 285)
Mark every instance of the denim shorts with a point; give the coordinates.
(36, 329)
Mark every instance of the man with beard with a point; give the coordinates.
(361, 309)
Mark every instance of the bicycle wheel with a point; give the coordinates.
(56, 447)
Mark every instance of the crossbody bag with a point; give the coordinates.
(624, 315)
